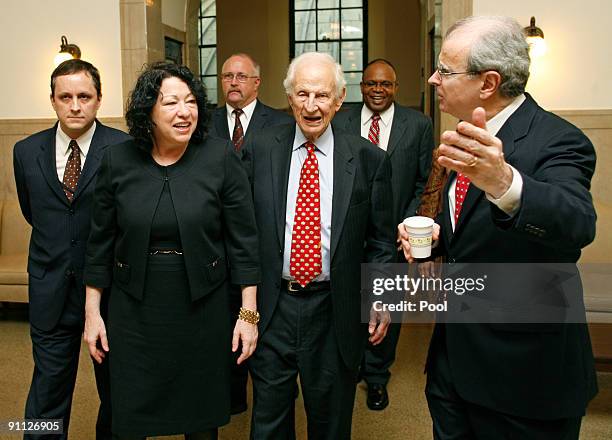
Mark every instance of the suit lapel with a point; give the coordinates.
(46, 161)
(258, 119)
(220, 121)
(94, 155)
(354, 121)
(344, 174)
(280, 157)
(398, 126)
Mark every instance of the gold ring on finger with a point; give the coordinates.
(473, 161)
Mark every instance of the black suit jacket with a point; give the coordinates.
(263, 116)
(410, 150)
(362, 228)
(59, 228)
(214, 211)
(541, 371)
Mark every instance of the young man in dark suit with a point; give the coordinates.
(518, 192)
(323, 206)
(242, 115)
(55, 172)
(406, 136)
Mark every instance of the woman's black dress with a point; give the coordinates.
(169, 366)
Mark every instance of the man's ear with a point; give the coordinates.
(490, 83)
(341, 99)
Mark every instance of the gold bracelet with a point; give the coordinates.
(250, 316)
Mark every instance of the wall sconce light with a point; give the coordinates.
(535, 39)
(67, 52)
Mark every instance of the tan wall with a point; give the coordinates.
(173, 13)
(575, 72)
(30, 35)
(393, 33)
(263, 33)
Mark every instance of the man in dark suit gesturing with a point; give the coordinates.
(518, 192)
(323, 206)
(55, 175)
(242, 115)
(406, 136)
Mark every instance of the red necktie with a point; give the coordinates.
(374, 133)
(305, 264)
(238, 136)
(72, 171)
(461, 188)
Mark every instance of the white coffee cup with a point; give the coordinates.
(420, 230)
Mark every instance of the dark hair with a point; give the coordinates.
(381, 60)
(146, 92)
(70, 67)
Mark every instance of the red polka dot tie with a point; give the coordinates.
(461, 188)
(305, 264)
(72, 171)
(374, 133)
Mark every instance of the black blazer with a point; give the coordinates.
(214, 210)
(263, 116)
(59, 228)
(541, 371)
(362, 228)
(410, 150)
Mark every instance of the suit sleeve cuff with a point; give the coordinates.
(510, 201)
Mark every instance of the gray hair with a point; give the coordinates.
(256, 67)
(316, 57)
(500, 45)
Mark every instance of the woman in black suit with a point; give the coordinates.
(173, 224)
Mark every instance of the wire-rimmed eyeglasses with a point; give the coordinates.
(240, 77)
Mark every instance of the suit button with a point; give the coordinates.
(71, 211)
(73, 242)
(451, 260)
(69, 273)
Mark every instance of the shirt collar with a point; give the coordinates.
(248, 109)
(497, 121)
(84, 140)
(324, 143)
(386, 116)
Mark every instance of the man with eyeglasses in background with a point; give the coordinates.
(243, 112)
(242, 115)
(406, 136)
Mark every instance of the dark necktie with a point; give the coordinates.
(238, 136)
(72, 171)
(305, 263)
(461, 188)
(374, 133)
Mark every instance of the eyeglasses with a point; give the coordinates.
(445, 73)
(240, 77)
(383, 84)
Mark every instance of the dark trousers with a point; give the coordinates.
(300, 340)
(56, 358)
(377, 359)
(456, 419)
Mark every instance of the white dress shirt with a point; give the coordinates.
(510, 201)
(62, 141)
(386, 119)
(245, 117)
(325, 158)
